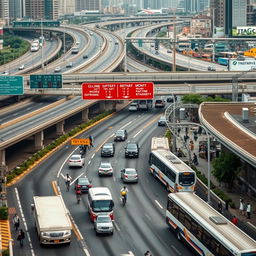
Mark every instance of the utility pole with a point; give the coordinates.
(174, 42)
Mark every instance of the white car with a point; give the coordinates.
(57, 69)
(105, 168)
(103, 225)
(69, 65)
(76, 161)
(5, 73)
(21, 67)
(133, 106)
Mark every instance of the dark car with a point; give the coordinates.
(83, 184)
(108, 149)
(132, 150)
(121, 135)
(169, 99)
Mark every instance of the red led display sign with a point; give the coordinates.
(118, 91)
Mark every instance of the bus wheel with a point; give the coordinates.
(178, 234)
(154, 174)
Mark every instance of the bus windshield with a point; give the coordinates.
(102, 205)
(186, 178)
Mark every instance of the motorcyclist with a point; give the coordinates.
(78, 194)
(124, 192)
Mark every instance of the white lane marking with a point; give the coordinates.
(114, 178)
(89, 162)
(158, 204)
(148, 217)
(61, 167)
(92, 155)
(112, 135)
(116, 226)
(137, 133)
(177, 251)
(76, 178)
(125, 125)
(24, 221)
(130, 253)
(62, 175)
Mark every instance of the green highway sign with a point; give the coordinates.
(140, 42)
(11, 85)
(45, 81)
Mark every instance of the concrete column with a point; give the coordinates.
(102, 106)
(85, 115)
(60, 128)
(2, 157)
(39, 140)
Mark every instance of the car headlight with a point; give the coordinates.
(67, 232)
(45, 234)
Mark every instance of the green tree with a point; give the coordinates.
(226, 168)
(198, 99)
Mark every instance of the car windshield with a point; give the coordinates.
(103, 219)
(107, 146)
(131, 146)
(102, 205)
(130, 171)
(186, 178)
(83, 181)
(159, 101)
(162, 118)
(75, 158)
(105, 165)
(120, 133)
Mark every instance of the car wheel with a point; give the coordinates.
(112, 233)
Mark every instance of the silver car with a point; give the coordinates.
(129, 175)
(103, 225)
(105, 168)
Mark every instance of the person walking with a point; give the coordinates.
(91, 140)
(16, 221)
(21, 237)
(248, 211)
(195, 159)
(241, 206)
(220, 207)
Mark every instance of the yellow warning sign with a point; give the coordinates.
(76, 142)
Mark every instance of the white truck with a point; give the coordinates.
(52, 220)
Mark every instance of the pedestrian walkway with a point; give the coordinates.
(236, 193)
(5, 234)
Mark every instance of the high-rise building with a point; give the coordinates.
(218, 11)
(251, 12)
(235, 14)
(42, 9)
(16, 9)
(66, 7)
(4, 10)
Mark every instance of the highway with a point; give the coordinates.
(181, 60)
(139, 226)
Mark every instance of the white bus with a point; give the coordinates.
(159, 143)
(171, 171)
(100, 201)
(205, 230)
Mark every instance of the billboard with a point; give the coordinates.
(118, 91)
(242, 65)
(244, 31)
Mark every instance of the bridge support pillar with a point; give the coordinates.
(60, 128)
(85, 115)
(39, 140)
(2, 157)
(102, 106)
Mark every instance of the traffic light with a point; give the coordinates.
(156, 45)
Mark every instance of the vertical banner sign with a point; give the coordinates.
(117, 91)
